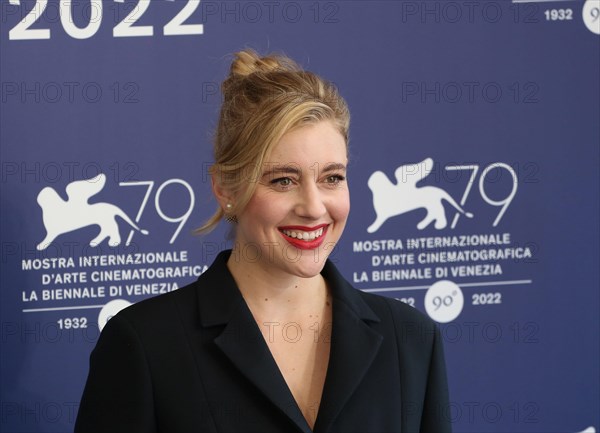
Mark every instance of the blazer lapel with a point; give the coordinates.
(241, 341)
(354, 345)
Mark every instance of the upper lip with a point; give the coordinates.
(303, 228)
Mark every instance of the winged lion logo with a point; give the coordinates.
(76, 212)
(391, 199)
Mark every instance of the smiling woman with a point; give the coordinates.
(302, 194)
(275, 340)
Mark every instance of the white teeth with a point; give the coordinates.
(305, 236)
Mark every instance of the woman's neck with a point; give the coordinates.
(271, 292)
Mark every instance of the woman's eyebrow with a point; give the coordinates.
(278, 170)
(284, 169)
(334, 166)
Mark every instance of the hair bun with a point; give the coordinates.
(247, 62)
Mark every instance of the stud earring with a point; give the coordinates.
(230, 218)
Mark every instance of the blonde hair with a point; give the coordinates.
(263, 99)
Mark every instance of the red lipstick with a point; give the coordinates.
(301, 244)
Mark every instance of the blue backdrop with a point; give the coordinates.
(489, 108)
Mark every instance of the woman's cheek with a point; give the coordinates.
(344, 204)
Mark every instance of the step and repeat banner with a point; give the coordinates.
(474, 181)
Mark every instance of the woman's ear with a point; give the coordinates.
(223, 195)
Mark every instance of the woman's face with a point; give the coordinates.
(301, 203)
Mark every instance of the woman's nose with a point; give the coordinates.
(311, 203)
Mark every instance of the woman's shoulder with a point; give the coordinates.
(388, 310)
(163, 310)
(411, 328)
(397, 310)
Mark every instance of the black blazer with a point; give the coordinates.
(194, 360)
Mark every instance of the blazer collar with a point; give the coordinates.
(354, 344)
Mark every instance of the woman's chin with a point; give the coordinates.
(310, 264)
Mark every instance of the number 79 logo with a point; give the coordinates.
(179, 219)
(503, 204)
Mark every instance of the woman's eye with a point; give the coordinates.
(334, 179)
(282, 182)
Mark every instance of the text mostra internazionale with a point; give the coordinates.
(106, 260)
